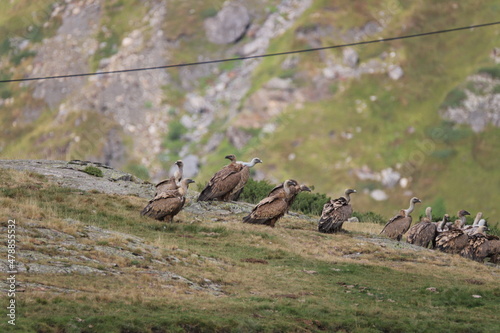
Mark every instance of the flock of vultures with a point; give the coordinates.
(470, 241)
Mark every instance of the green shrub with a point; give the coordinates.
(310, 203)
(370, 217)
(255, 191)
(94, 171)
(494, 72)
(454, 98)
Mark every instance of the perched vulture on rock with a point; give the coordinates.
(295, 189)
(424, 232)
(173, 182)
(223, 182)
(453, 240)
(167, 204)
(335, 213)
(271, 208)
(244, 175)
(399, 224)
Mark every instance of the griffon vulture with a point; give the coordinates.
(173, 182)
(477, 247)
(453, 240)
(295, 189)
(244, 175)
(270, 209)
(424, 232)
(335, 213)
(399, 224)
(223, 182)
(167, 204)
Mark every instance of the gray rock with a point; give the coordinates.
(379, 195)
(395, 72)
(228, 26)
(191, 166)
(351, 57)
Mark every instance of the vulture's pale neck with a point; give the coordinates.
(428, 213)
(410, 209)
(286, 188)
(249, 164)
(178, 173)
(463, 219)
(477, 219)
(442, 225)
(480, 230)
(347, 196)
(183, 187)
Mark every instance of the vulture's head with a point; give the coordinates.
(446, 217)
(179, 163)
(256, 160)
(305, 188)
(231, 157)
(349, 191)
(415, 200)
(188, 181)
(463, 212)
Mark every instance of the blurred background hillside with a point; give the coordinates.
(410, 117)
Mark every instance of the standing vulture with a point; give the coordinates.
(424, 232)
(295, 189)
(223, 182)
(335, 213)
(173, 182)
(270, 209)
(244, 175)
(453, 240)
(399, 224)
(167, 204)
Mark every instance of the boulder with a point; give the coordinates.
(228, 26)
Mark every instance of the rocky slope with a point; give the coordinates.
(412, 117)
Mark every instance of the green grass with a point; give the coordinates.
(300, 287)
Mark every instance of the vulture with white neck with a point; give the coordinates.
(295, 189)
(271, 208)
(173, 182)
(335, 213)
(244, 176)
(454, 240)
(399, 224)
(222, 182)
(424, 232)
(167, 204)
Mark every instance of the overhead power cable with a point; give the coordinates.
(253, 56)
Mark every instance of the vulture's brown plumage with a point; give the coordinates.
(167, 204)
(335, 213)
(223, 182)
(424, 232)
(477, 247)
(271, 208)
(295, 189)
(453, 240)
(173, 182)
(244, 176)
(399, 224)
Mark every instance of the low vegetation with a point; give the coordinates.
(251, 278)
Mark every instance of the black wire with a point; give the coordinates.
(253, 57)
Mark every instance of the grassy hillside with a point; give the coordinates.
(368, 121)
(244, 277)
(396, 128)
